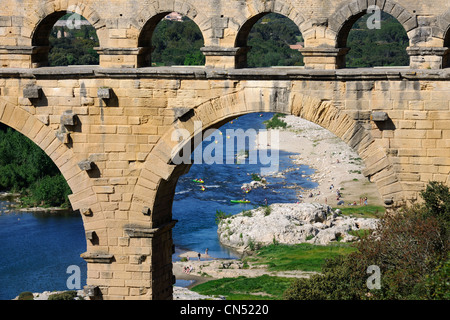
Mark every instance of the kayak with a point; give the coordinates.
(198, 181)
(240, 201)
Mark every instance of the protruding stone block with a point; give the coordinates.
(182, 113)
(86, 212)
(90, 235)
(32, 92)
(379, 116)
(104, 93)
(218, 57)
(428, 57)
(97, 257)
(91, 291)
(64, 137)
(324, 57)
(146, 211)
(86, 165)
(68, 118)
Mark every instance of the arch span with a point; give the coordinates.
(41, 33)
(149, 20)
(273, 33)
(83, 196)
(157, 182)
(155, 188)
(246, 23)
(343, 19)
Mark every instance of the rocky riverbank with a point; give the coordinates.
(13, 204)
(290, 224)
(179, 293)
(336, 165)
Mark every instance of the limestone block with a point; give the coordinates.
(86, 165)
(379, 116)
(86, 212)
(104, 93)
(68, 118)
(32, 92)
(64, 137)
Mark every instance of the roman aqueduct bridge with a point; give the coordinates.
(109, 128)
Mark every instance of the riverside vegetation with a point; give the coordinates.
(27, 170)
(410, 247)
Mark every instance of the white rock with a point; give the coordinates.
(290, 224)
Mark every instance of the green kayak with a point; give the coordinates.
(240, 201)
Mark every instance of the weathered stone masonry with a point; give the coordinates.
(109, 128)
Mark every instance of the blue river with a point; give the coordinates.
(36, 249)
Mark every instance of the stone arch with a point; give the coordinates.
(156, 184)
(341, 22)
(83, 197)
(259, 8)
(42, 24)
(247, 24)
(149, 18)
(442, 27)
(155, 188)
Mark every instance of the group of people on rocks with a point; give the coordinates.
(188, 269)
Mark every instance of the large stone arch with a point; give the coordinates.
(155, 188)
(148, 19)
(341, 22)
(83, 197)
(156, 185)
(41, 24)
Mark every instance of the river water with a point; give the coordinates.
(36, 249)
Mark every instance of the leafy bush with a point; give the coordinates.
(220, 215)
(21, 161)
(50, 191)
(27, 295)
(67, 295)
(25, 168)
(376, 48)
(177, 43)
(276, 122)
(270, 40)
(437, 203)
(411, 249)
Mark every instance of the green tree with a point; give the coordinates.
(270, 39)
(75, 48)
(177, 43)
(411, 249)
(25, 168)
(377, 47)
